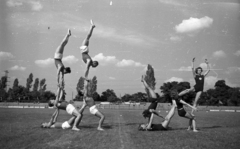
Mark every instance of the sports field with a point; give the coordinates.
(20, 128)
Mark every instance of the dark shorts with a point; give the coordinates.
(159, 127)
(198, 88)
(85, 56)
(181, 112)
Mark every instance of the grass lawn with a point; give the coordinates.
(20, 128)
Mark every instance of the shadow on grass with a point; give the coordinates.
(94, 126)
(199, 128)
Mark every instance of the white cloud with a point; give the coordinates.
(45, 63)
(112, 78)
(203, 66)
(174, 79)
(18, 68)
(35, 5)
(13, 3)
(228, 83)
(172, 2)
(175, 38)
(219, 54)
(104, 60)
(193, 24)
(126, 63)
(70, 59)
(5, 55)
(237, 53)
(210, 81)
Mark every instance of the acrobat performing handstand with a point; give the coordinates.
(85, 50)
(61, 69)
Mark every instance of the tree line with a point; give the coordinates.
(35, 90)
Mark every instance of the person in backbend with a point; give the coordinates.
(199, 79)
(87, 97)
(85, 50)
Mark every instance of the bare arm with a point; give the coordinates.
(183, 102)
(208, 67)
(59, 96)
(60, 75)
(155, 112)
(83, 107)
(150, 122)
(87, 68)
(193, 71)
(55, 115)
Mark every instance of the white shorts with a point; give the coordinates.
(58, 56)
(70, 108)
(84, 49)
(93, 109)
(66, 125)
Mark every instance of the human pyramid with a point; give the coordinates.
(60, 104)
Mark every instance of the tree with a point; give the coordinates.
(36, 85)
(29, 82)
(106, 94)
(15, 83)
(234, 99)
(3, 82)
(42, 83)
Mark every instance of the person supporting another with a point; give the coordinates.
(87, 97)
(177, 100)
(64, 105)
(85, 50)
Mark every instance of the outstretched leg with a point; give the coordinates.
(86, 41)
(168, 118)
(60, 48)
(151, 91)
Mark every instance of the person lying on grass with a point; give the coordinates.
(162, 126)
(64, 125)
(176, 98)
(61, 104)
(153, 99)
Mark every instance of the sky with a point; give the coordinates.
(129, 35)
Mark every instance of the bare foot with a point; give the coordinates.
(195, 130)
(93, 25)
(100, 129)
(75, 129)
(69, 32)
(189, 128)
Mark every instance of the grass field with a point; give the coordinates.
(20, 128)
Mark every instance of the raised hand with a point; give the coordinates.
(206, 61)
(193, 59)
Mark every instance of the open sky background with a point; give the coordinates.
(129, 34)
